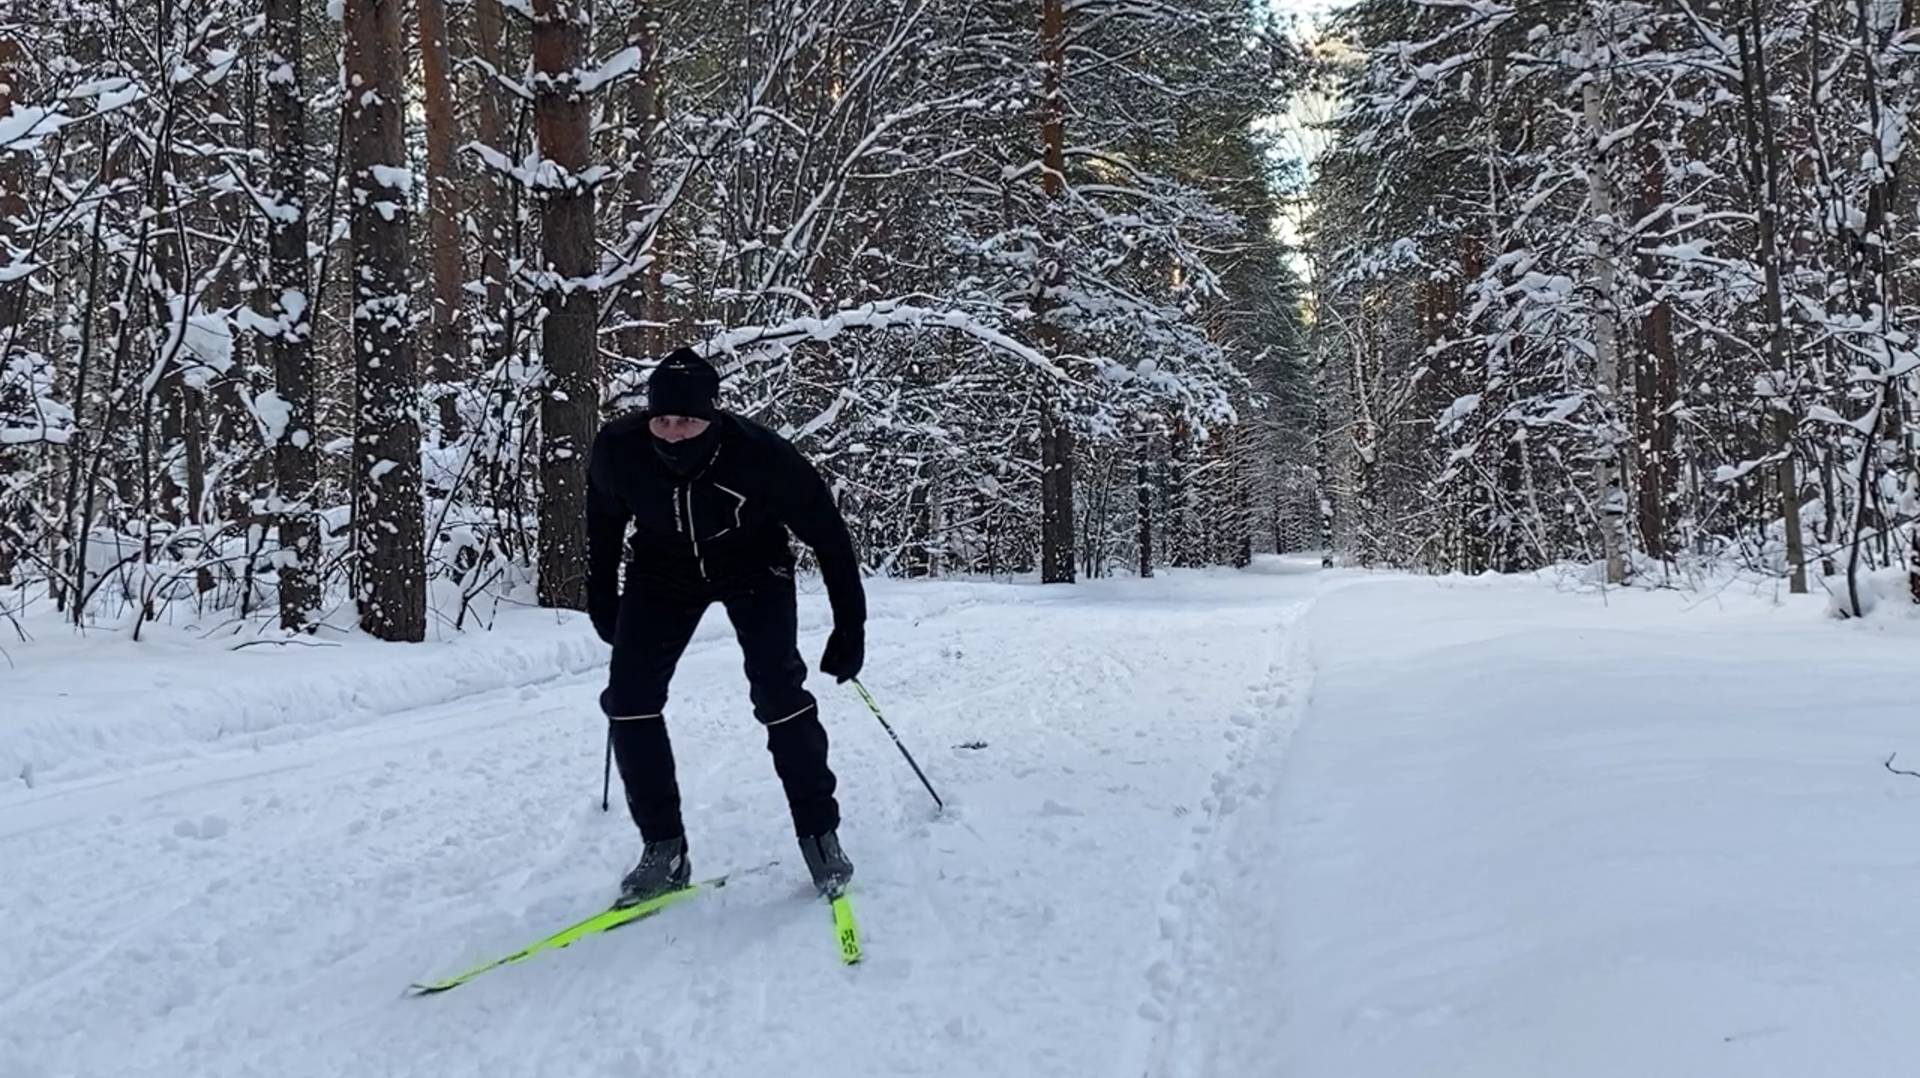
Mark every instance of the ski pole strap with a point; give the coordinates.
(875, 708)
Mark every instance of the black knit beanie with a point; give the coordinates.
(683, 384)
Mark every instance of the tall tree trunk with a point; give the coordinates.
(1607, 483)
(13, 184)
(1240, 538)
(388, 519)
(1056, 429)
(193, 423)
(1656, 380)
(568, 409)
(241, 466)
(1877, 302)
(443, 214)
(1365, 435)
(161, 277)
(288, 292)
(916, 556)
(1143, 501)
(643, 336)
(13, 206)
(1913, 561)
(1763, 181)
(167, 286)
(1183, 530)
(489, 30)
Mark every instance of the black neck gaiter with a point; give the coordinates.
(685, 458)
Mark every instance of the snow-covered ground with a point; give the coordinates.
(1279, 822)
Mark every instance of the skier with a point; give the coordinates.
(712, 496)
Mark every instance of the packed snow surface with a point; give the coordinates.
(1273, 822)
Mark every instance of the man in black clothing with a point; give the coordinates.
(712, 497)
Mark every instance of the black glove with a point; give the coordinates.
(606, 618)
(846, 653)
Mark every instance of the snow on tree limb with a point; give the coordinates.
(880, 316)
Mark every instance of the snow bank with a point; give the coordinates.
(78, 706)
(1883, 593)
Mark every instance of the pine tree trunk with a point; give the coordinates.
(13, 179)
(1763, 175)
(1183, 538)
(570, 406)
(1656, 381)
(1878, 299)
(13, 183)
(1143, 501)
(936, 518)
(489, 29)
(643, 336)
(1366, 443)
(1322, 478)
(1512, 480)
(915, 559)
(388, 520)
(288, 288)
(1913, 561)
(240, 468)
(1607, 480)
(1056, 429)
(443, 214)
(166, 282)
(193, 422)
(12, 294)
(1241, 537)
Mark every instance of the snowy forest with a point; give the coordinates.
(1625, 284)
(309, 311)
(1384, 538)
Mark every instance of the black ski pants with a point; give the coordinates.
(654, 627)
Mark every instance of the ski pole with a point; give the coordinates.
(875, 708)
(606, 774)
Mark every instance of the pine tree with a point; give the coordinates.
(568, 333)
(288, 297)
(388, 520)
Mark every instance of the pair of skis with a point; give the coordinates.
(846, 930)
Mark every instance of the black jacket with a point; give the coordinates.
(720, 529)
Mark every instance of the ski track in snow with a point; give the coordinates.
(1516, 833)
(259, 909)
(1269, 824)
(1179, 982)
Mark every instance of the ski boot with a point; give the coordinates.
(827, 862)
(663, 867)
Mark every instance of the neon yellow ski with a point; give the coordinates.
(603, 921)
(844, 926)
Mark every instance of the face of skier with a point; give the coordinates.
(676, 428)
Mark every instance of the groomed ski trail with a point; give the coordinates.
(1196, 926)
(1512, 830)
(261, 911)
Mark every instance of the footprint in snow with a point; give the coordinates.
(1054, 808)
